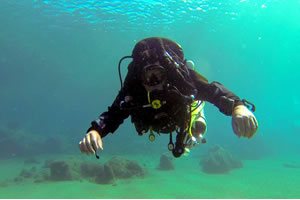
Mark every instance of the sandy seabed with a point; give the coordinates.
(265, 178)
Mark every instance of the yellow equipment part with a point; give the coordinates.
(197, 112)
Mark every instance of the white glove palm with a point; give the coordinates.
(244, 123)
(91, 142)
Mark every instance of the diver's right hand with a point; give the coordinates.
(91, 143)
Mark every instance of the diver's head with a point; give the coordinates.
(154, 57)
(153, 49)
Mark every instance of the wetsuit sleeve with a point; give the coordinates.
(109, 121)
(215, 93)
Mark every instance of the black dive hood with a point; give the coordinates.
(154, 52)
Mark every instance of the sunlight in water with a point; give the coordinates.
(150, 13)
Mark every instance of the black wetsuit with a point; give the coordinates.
(109, 121)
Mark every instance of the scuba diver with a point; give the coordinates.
(163, 93)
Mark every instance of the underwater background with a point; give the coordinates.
(58, 72)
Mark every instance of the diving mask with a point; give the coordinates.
(154, 77)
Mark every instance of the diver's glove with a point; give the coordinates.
(91, 143)
(244, 123)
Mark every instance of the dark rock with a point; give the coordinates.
(55, 170)
(123, 168)
(105, 175)
(18, 179)
(112, 170)
(90, 169)
(165, 163)
(60, 171)
(26, 173)
(135, 169)
(218, 160)
(38, 180)
(292, 165)
(42, 175)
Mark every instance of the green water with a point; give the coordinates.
(58, 72)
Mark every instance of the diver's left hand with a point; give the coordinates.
(244, 123)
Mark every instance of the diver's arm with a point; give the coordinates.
(222, 98)
(244, 123)
(109, 121)
(215, 93)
